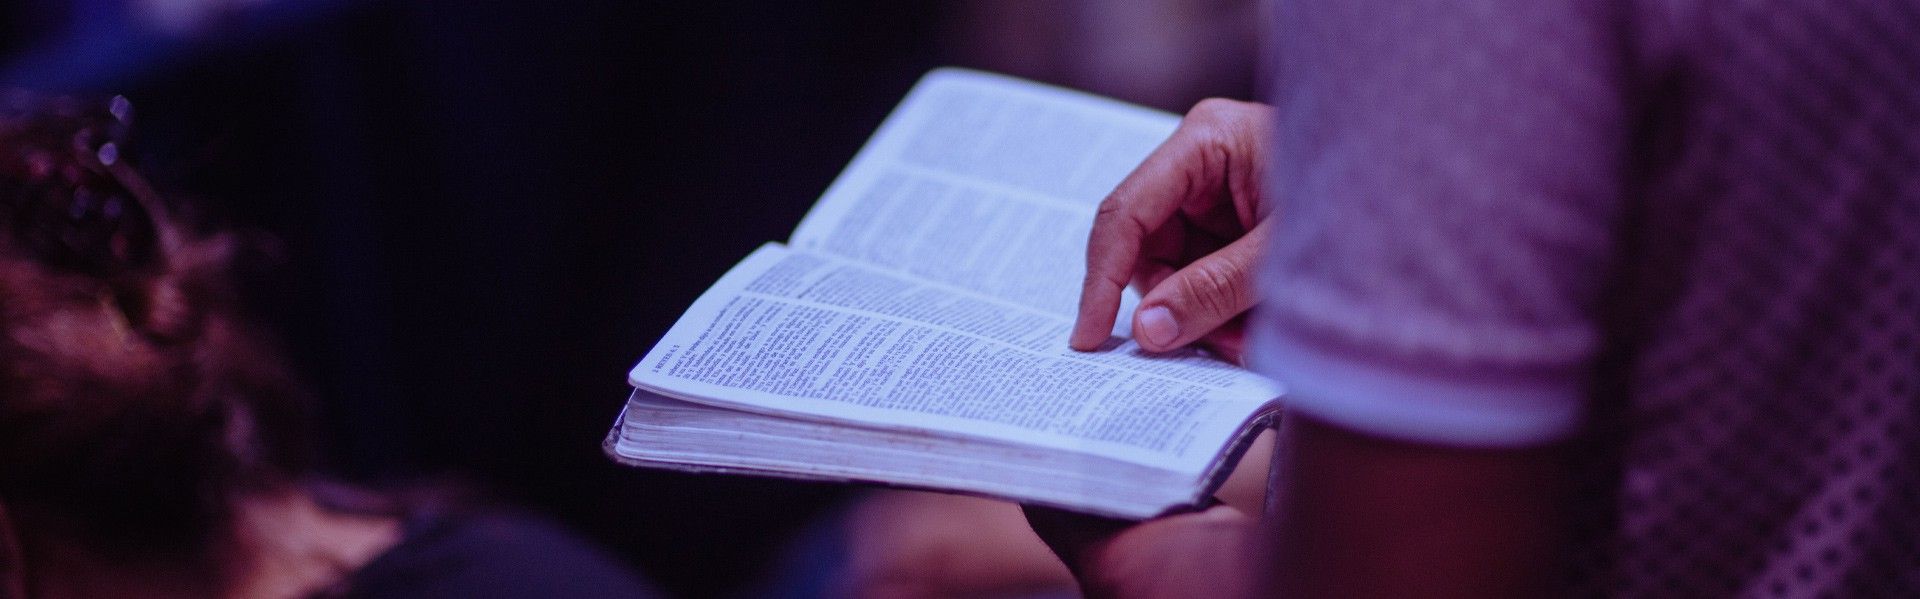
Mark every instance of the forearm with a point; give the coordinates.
(1365, 517)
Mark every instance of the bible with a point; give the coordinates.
(912, 332)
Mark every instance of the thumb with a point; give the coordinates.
(1200, 297)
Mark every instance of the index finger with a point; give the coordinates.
(1184, 166)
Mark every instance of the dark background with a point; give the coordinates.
(486, 211)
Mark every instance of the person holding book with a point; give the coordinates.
(1569, 297)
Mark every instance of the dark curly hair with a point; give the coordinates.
(137, 403)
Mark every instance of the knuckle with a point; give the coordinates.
(1094, 279)
(1193, 179)
(1224, 119)
(1113, 224)
(1214, 289)
(1222, 111)
(1215, 123)
(1107, 227)
(1213, 107)
(1109, 208)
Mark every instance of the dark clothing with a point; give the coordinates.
(492, 554)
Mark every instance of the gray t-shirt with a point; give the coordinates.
(1684, 235)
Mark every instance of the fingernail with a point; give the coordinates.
(1157, 325)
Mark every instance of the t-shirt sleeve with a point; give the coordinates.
(1448, 174)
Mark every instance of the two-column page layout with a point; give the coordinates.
(914, 331)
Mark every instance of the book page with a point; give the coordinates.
(814, 335)
(988, 183)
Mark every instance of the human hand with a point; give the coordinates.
(1198, 554)
(1185, 228)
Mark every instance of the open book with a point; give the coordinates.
(913, 332)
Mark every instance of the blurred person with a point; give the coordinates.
(153, 442)
(1161, 53)
(181, 17)
(1571, 298)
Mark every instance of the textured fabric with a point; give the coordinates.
(1697, 223)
